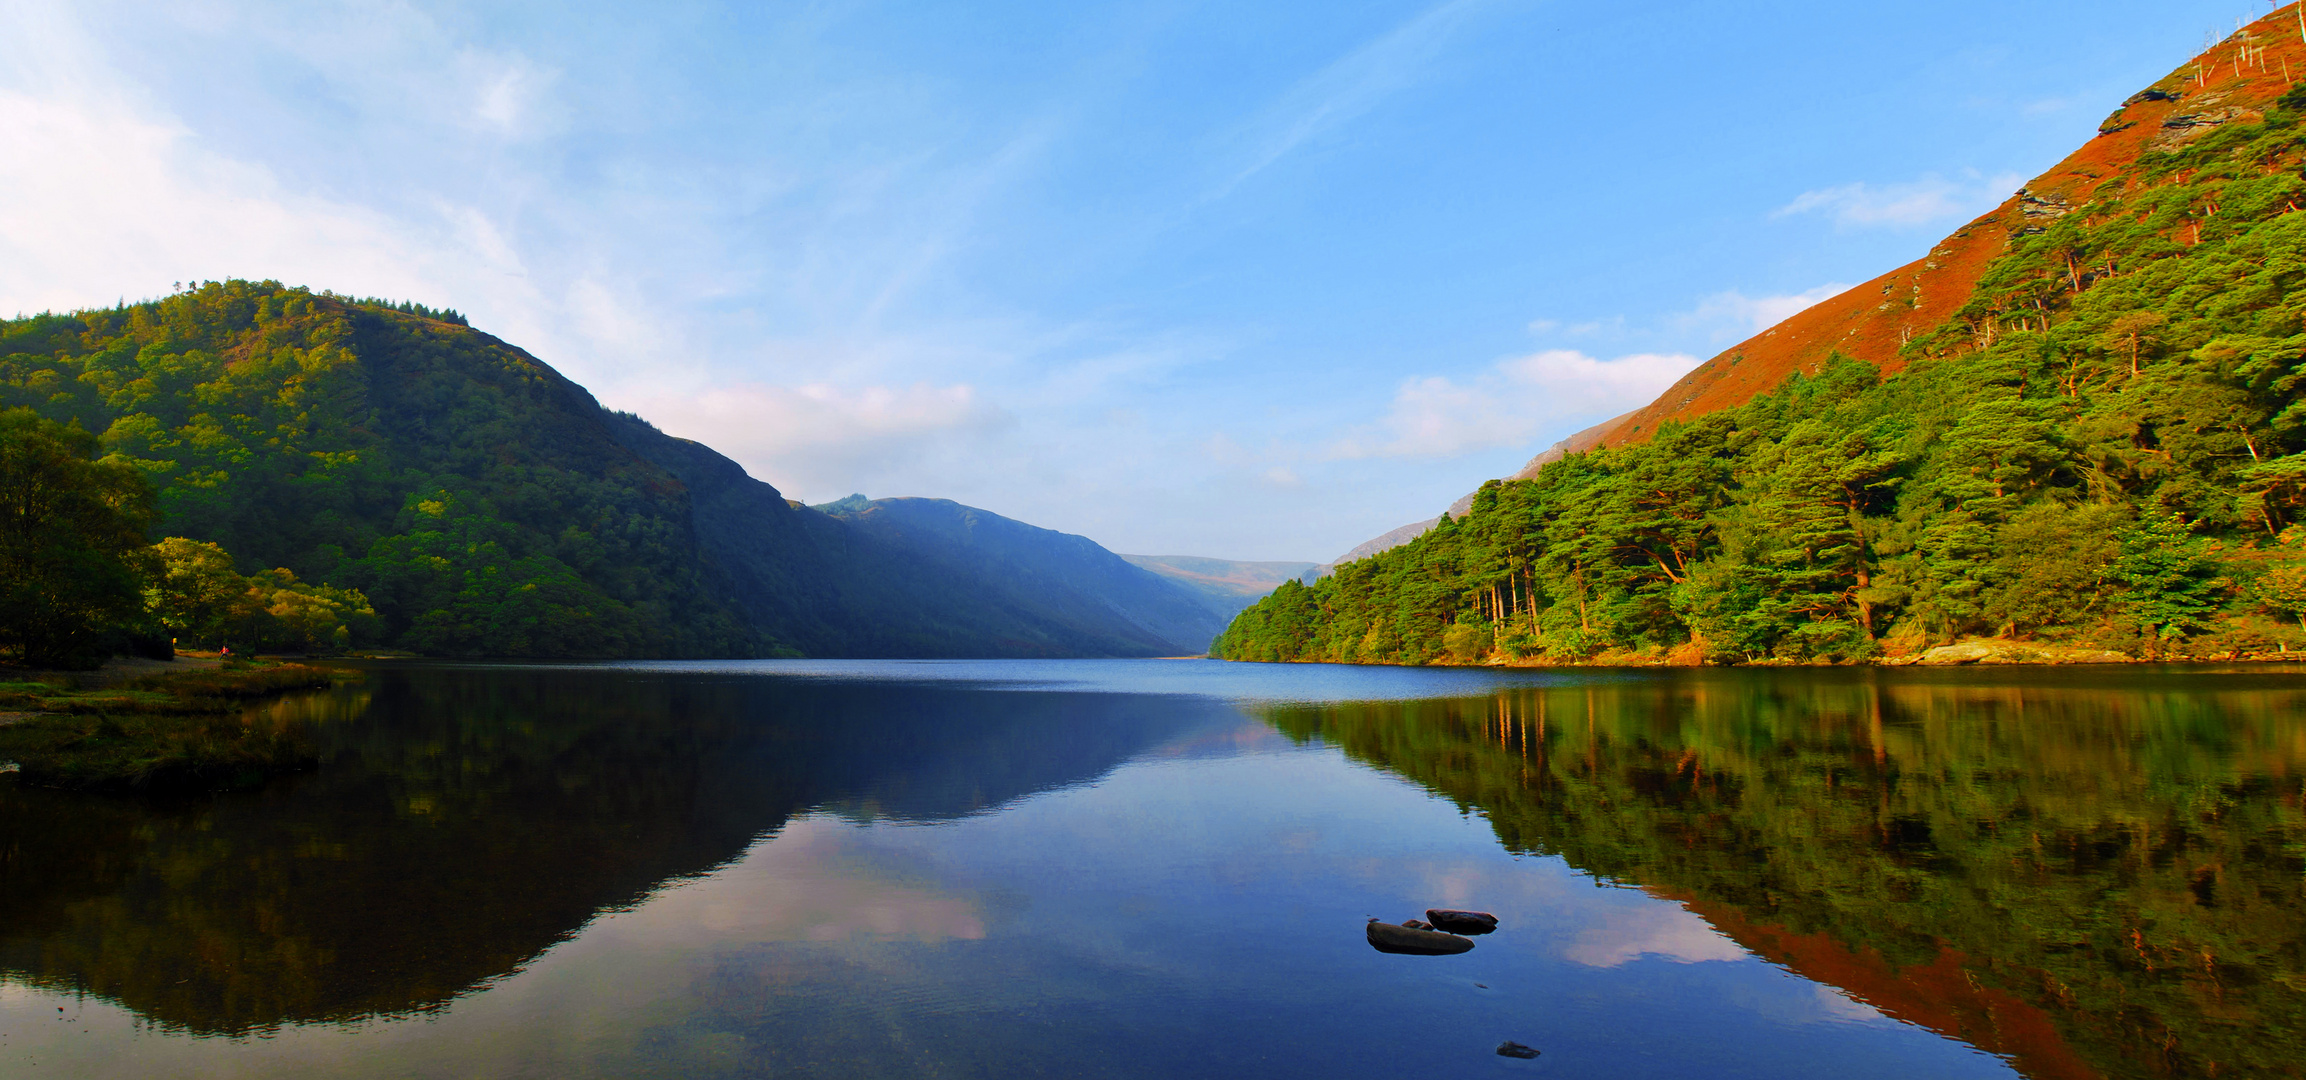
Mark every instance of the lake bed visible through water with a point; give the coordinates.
(1163, 868)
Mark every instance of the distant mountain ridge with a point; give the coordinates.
(1225, 585)
(1041, 576)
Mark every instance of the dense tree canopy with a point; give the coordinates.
(72, 549)
(353, 456)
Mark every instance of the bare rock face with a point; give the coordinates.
(1388, 938)
(2014, 652)
(1462, 922)
(2039, 210)
(2207, 113)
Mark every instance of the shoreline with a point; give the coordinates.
(1974, 653)
(141, 727)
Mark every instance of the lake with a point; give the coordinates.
(1163, 869)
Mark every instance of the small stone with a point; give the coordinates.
(1388, 938)
(1417, 924)
(1461, 922)
(1512, 1049)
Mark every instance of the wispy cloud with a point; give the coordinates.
(1348, 88)
(1512, 403)
(1928, 200)
(1734, 315)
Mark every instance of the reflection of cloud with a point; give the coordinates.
(1842, 1007)
(817, 882)
(1666, 931)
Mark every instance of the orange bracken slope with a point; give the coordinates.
(2235, 80)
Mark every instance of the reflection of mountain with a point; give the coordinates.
(2090, 880)
(468, 819)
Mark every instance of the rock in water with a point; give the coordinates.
(1462, 922)
(1387, 938)
(1415, 924)
(1512, 1049)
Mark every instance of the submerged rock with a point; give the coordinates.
(1462, 922)
(1512, 1049)
(1388, 938)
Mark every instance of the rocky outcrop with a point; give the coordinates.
(2039, 210)
(2015, 652)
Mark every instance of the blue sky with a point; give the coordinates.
(1239, 280)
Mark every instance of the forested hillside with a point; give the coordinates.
(392, 477)
(2100, 442)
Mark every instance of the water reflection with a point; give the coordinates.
(553, 872)
(464, 821)
(2095, 874)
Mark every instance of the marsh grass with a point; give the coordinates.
(170, 732)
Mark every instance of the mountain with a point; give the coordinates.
(1039, 576)
(1224, 585)
(2075, 420)
(2191, 114)
(488, 506)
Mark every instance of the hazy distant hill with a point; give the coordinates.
(1575, 444)
(1225, 585)
(1039, 576)
(490, 507)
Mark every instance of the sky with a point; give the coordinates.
(1251, 281)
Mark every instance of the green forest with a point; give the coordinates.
(2103, 447)
(326, 473)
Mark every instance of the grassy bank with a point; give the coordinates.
(178, 731)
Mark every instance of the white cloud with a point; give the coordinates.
(811, 439)
(1733, 314)
(511, 95)
(1930, 199)
(1512, 403)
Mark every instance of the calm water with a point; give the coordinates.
(1161, 869)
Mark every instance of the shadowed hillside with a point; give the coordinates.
(1039, 576)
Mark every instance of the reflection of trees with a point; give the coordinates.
(2092, 880)
(464, 820)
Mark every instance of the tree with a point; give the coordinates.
(201, 599)
(2173, 581)
(196, 590)
(72, 550)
